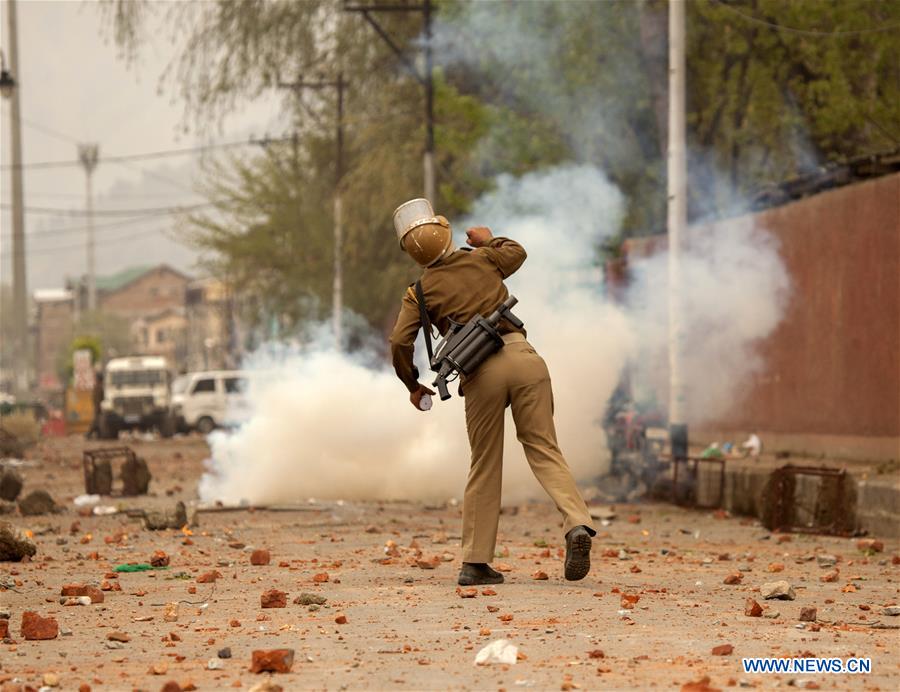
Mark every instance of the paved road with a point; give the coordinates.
(408, 627)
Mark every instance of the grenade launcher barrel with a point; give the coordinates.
(468, 346)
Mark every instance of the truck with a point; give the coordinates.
(136, 396)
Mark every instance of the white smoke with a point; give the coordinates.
(325, 425)
(329, 425)
(734, 290)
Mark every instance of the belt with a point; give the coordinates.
(513, 337)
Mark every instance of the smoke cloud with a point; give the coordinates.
(734, 291)
(329, 425)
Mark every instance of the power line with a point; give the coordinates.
(47, 131)
(78, 246)
(157, 176)
(806, 32)
(145, 211)
(80, 195)
(79, 229)
(143, 156)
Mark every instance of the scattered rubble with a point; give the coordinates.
(266, 686)
(13, 545)
(808, 614)
(36, 627)
(11, 483)
(260, 557)
(175, 518)
(159, 559)
(83, 590)
(701, 685)
(778, 589)
(273, 598)
(309, 599)
(752, 608)
(37, 503)
(272, 661)
(870, 545)
(498, 651)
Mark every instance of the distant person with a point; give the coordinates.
(752, 446)
(460, 285)
(97, 398)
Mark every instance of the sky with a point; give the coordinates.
(76, 88)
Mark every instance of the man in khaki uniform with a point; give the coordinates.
(458, 285)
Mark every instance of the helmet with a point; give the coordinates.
(422, 235)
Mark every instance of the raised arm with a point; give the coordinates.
(507, 255)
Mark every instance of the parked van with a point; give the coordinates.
(204, 401)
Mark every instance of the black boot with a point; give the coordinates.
(578, 553)
(473, 573)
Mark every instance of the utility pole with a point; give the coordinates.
(425, 80)
(677, 222)
(20, 289)
(337, 301)
(88, 155)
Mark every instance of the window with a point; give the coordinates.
(235, 385)
(208, 385)
(137, 377)
(162, 336)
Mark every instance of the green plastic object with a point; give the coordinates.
(137, 567)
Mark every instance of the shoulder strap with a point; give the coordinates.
(426, 321)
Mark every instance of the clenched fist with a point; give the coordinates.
(476, 236)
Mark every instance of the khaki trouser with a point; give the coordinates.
(516, 376)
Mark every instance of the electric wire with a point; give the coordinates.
(47, 131)
(145, 211)
(144, 156)
(107, 242)
(807, 32)
(120, 223)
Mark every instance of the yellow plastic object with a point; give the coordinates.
(79, 410)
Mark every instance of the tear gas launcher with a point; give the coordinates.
(467, 346)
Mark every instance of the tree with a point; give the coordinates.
(271, 231)
(774, 89)
(781, 88)
(105, 335)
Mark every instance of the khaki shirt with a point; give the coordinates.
(458, 288)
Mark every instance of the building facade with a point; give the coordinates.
(53, 323)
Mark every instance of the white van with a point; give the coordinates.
(204, 401)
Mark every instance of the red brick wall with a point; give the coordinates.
(833, 365)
